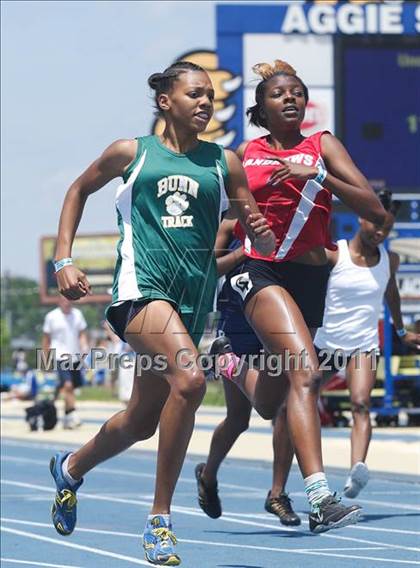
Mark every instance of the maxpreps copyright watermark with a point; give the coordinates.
(185, 359)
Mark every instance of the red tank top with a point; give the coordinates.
(299, 212)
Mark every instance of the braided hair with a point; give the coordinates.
(266, 72)
(163, 82)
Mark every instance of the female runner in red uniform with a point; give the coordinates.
(293, 178)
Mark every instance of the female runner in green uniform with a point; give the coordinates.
(169, 207)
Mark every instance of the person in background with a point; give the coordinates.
(245, 343)
(26, 390)
(363, 272)
(20, 364)
(64, 331)
(114, 347)
(126, 374)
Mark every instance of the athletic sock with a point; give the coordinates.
(316, 488)
(166, 518)
(65, 469)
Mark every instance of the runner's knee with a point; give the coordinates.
(360, 406)
(67, 387)
(308, 380)
(191, 386)
(237, 424)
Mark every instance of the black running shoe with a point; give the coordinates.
(282, 507)
(331, 514)
(208, 497)
(221, 345)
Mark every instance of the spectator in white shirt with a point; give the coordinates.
(65, 332)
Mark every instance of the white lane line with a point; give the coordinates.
(191, 541)
(389, 504)
(62, 542)
(116, 471)
(232, 516)
(374, 558)
(370, 492)
(379, 529)
(251, 491)
(326, 535)
(225, 518)
(131, 454)
(134, 454)
(386, 504)
(99, 469)
(289, 550)
(143, 563)
(33, 563)
(360, 527)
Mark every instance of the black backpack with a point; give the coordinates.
(42, 414)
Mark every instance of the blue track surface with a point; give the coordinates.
(116, 497)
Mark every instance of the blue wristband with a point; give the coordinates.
(322, 174)
(402, 332)
(59, 264)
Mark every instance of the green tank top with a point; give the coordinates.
(169, 209)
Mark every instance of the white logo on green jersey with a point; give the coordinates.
(177, 183)
(177, 203)
(181, 221)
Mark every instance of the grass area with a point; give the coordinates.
(99, 393)
(214, 395)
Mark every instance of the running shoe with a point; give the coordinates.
(227, 361)
(221, 345)
(331, 514)
(159, 543)
(358, 478)
(282, 507)
(71, 421)
(63, 510)
(208, 497)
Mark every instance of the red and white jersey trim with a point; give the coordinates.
(299, 212)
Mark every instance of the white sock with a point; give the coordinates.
(166, 518)
(65, 470)
(316, 488)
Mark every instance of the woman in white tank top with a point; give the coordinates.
(363, 272)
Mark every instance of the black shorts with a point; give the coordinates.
(306, 283)
(329, 361)
(120, 315)
(243, 339)
(337, 361)
(73, 375)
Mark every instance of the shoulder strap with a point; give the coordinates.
(133, 164)
(316, 140)
(343, 252)
(384, 259)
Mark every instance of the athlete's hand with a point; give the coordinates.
(264, 240)
(411, 340)
(72, 283)
(289, 170)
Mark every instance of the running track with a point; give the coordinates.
(116, 497)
